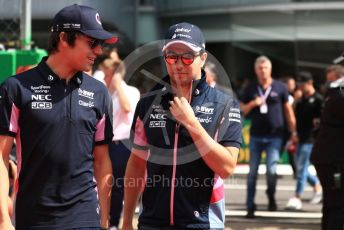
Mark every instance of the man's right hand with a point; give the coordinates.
(257, 101)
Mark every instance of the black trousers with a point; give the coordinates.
(331, 177)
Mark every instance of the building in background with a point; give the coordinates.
(295, 34)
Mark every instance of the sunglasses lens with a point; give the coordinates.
(187, 59)
(97, 43)
(171, 59)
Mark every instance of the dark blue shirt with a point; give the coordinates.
(306, 110)
(56, 126)
(270, 124)
(180, 188)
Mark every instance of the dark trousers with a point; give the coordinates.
(119, 154)
(333, 195)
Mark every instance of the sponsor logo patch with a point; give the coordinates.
(41, 105)
(234, 115)
(157, 124)
(89, 104)
(85, 93)
(40, 89)
(206, 120)
(204, 110)
(158, 116)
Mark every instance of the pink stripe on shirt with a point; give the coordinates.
(218, 190)
(100, 134)
(14, 119)
(140, 137)
(19, 159)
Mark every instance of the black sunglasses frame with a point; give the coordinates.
(94, 42)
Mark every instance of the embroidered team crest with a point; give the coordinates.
(98, 19)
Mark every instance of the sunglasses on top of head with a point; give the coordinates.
(187, 58)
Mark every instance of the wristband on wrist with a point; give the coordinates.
(104, 228)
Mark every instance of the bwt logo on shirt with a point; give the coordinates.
(204, 110)
(85, 93)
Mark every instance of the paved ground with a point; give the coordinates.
(308, 218)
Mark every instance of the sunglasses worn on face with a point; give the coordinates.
(187, 58)
(93, 42)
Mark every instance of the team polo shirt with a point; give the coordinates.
(56, 126)
(181, 190)
(270, 124)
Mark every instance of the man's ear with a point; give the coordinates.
(63, 39)
(204, 58)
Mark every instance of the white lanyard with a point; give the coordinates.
(265, 95)
(264, 107)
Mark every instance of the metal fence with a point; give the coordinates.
(10, 11)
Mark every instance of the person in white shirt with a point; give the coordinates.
(124, 98)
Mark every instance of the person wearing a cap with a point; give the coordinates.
(186, 137)
(307, 113)
(61, 120)
(265, 103)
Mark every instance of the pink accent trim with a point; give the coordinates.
(140, 137)
(216, 135)
(19, 159)
(190, 92)
(100, 133)
(217, 131)
(14, 119)
(176, 136)
(218, 190)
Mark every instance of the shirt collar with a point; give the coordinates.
(50, 77)
(198, 86)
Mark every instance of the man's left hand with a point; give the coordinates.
(182, 111)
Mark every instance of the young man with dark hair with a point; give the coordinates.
(61, 119)
(307, 112)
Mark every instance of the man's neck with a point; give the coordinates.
(60, 67)
(182, 91)
(266, 84)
